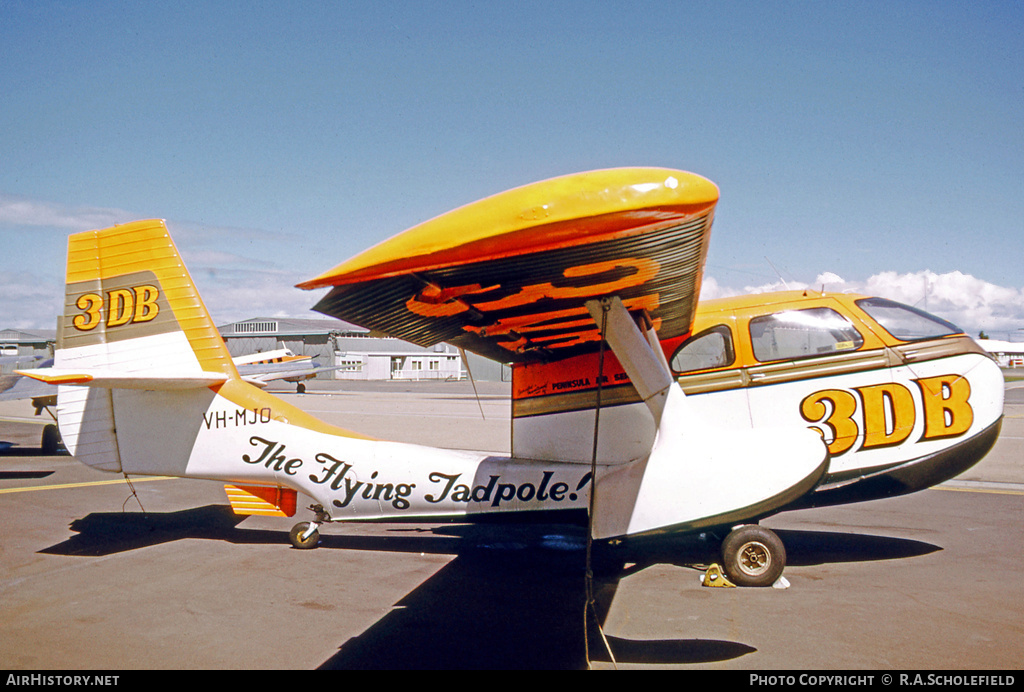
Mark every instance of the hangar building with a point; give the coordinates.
(355, 352)
(1009, 354)
(20, 349)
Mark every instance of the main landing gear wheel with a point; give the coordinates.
(753, 556)
(50, 441)
(304, 535)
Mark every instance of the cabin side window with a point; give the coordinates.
(904, 322)
(712, 348)
(793, 334)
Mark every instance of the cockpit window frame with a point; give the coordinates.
(865, 304)
(729, 349)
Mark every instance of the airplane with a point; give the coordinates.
(281, 364)
(633, 411)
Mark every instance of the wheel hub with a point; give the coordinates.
(755, 558)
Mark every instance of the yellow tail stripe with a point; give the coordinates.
(97, 256)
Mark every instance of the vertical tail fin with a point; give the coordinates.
(131, 306)
(132, 320)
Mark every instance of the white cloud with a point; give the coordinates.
(232, 295)
(971, 303)
(711, 289)
(965, 300)
(828, 279)
(29, 301)
(21, 211)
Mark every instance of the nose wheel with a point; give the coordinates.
(753, 556)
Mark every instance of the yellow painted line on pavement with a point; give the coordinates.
(991, 491)
(82, 485)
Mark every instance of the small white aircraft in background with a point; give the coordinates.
(588, 284)
(270, 366)
(259, 369)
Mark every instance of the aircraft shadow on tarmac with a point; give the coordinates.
(23, 475)
(805, 548)
(513, 597)
(508, 608)
(107, 533)
(14, 449)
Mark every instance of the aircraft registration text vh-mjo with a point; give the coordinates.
(635, 409)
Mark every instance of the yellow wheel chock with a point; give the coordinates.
(714, 576)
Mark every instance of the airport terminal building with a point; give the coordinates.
(353, 352)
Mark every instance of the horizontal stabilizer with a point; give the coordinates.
(118, 380)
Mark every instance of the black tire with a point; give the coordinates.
(50, 442)
(753, 556)
(300, 388)
(295, 536)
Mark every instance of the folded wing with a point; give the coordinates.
(508, 277)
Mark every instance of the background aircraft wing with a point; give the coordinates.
(508, 277)
(14, 387)
(295, 370)
(269, 366)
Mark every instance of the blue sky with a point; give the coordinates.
(882, 142)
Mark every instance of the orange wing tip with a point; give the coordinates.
(267, 501)
(116, 380)
(49, 377)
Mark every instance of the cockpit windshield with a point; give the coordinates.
(904, 322)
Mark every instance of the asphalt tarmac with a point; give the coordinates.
(96, 574)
